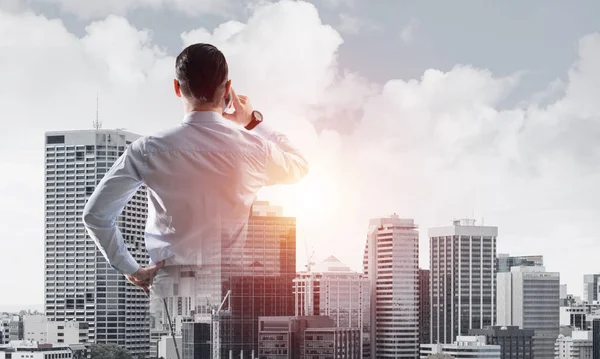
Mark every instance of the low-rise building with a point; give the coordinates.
(578, 346)
(465, 347)
(514, 343)
(306, 337)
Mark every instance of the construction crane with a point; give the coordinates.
(216, 316)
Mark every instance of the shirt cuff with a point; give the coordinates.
(264, 131)
(127, 268)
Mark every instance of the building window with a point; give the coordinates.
(55, 139)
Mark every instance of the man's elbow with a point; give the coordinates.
(89, 219)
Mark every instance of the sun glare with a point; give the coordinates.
(314, 199)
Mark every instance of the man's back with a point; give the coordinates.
(202, 178)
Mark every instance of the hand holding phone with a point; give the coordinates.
(242, 114)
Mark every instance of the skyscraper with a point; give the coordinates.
(391, 261)
(79, 284)
(463, 280)
(332, 289)
(530, 300)
(591, 287)
(424, 307)
(261, 281)
(506, 262)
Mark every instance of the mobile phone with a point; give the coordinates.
(227, 103)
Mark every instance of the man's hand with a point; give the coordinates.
(243, 109)
(144, 276)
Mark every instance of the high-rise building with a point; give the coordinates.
(332, 289)
(465, 347)
(505, 262)
(596, 339)
(530, 300)
(391, 262)
(514, 343)
(591, 287)
(578, 346)
(463, 280)
(424, 307)
(79, 283)
(260, 278)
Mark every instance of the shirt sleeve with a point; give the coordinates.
(285, 163)
(111, 195)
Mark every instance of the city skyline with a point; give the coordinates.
(434, 121)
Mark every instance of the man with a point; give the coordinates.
(201, 176)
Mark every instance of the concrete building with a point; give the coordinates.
(424, 307)
(306, 337)
(79, 283)
(34, 350)
(514, 343)
(578, 346)
(465, 347)
(591, 287)
(530, 300)
(463, 279)
(332, 289)
(37, 328)
(576, 315)
(505, 262)
(391, 262)
(5, 329)
(166, 347)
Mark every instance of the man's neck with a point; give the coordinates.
(187, 108)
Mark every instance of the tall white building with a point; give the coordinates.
(332, 289)
(463, 279)
(578, 346)
(530, 299)
(391, 262)
(79, 283)
(465, 347)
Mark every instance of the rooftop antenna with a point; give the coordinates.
(97, 123)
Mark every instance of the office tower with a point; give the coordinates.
(332, 289)
(79, 283)
(596, 339)
(530, 300)
(577, 346)
(424, 307)
(590, 287)
(391, 262)
(306, 337)
(514, 343)
(196, 340)
(465, 347)
(505, 262)
(260, 279)
(463, 280)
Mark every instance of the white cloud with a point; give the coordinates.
(408, 32)
(432, 149)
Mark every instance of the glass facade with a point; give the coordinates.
(262, 283)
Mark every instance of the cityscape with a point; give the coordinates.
(472, 302)
(440, 200)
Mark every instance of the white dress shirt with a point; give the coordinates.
(202, 177)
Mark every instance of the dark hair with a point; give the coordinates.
(202, 71)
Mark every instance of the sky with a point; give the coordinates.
(431, 110)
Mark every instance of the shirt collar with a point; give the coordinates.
(202, 117)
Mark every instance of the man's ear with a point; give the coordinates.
(227, 92)
(177, 87)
